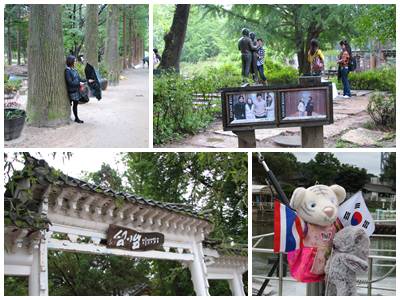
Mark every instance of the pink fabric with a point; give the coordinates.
(307, 264)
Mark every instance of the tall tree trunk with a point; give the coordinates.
(91, 27)
(111, 53)
(129, 42)
(48, 103)
(18, 37)
(125, 65)
(9, 42)
(175, 38)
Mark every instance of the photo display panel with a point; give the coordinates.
(268, 107)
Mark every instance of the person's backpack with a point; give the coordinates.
(352, 64)
(317, 64)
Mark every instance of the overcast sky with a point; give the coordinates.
(83, 160)
(371, 161)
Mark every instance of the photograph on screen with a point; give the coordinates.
(251, 107)
(304, 104)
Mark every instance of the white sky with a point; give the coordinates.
(368, 160)
(83, 160)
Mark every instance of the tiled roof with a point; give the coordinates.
(46, 175)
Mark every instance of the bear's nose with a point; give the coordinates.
(329, 211)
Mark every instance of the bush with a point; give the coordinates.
(174, 113)
(382, 109)
(375, 79)
(12, 86)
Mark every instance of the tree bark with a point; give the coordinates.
(175, 38)
(111, 52)
(9, 42)
(125, 51)
(91, 27)
(48, 103)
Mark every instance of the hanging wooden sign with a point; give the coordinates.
(129, 239)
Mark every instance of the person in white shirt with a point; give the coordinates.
(301, 108)
(260, 107)
(250, 110)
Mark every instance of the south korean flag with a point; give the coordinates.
(354, 212)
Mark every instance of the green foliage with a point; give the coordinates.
(389, 170)
(16, 285)
(81, 274)
(174, 113)
(324, 168)
(12, 86)
(10, 114)
(218, 181)
(106, 177)
(382, 110)
(383, 79)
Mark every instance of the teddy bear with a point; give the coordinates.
(317, 206)
(349, 256)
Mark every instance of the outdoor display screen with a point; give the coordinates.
(255, 107)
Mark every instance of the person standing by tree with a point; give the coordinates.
(315, 58)
(74, 84)
(260, 61)
(343, 72)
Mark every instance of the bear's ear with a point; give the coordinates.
(297, 197)
(339, 192)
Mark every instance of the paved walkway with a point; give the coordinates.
(119, 120)
(348, 115)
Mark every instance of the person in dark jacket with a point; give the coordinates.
(74, 84)
(239, 109)
(310, 106)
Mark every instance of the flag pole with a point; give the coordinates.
(273, 181)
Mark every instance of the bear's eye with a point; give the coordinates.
(312, 205)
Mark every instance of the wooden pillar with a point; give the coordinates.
(198, 271)
(312, 137)
(246, 139)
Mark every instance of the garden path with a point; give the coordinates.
(119, 120)
(349, 115)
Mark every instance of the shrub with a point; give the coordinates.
(375, 79)
(382, 109)
(12, 86)
(174, 113)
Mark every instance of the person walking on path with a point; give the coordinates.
(74, 85)
(343, 71)
(260, 61)
(315, 58)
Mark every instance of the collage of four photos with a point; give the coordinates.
(199, 149)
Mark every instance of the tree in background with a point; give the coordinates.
(175, 38)
(48, 103)
(91, 35)
(389, 171)
(111, 56)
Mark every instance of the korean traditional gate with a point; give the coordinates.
(83, 213)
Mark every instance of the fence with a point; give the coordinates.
(361, 283)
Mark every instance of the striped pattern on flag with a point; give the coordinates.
(288, 229)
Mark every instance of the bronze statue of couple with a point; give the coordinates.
(248, 46)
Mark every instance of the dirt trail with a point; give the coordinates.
(119, 120)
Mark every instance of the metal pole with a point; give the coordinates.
(280, 283)
(369, 276)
